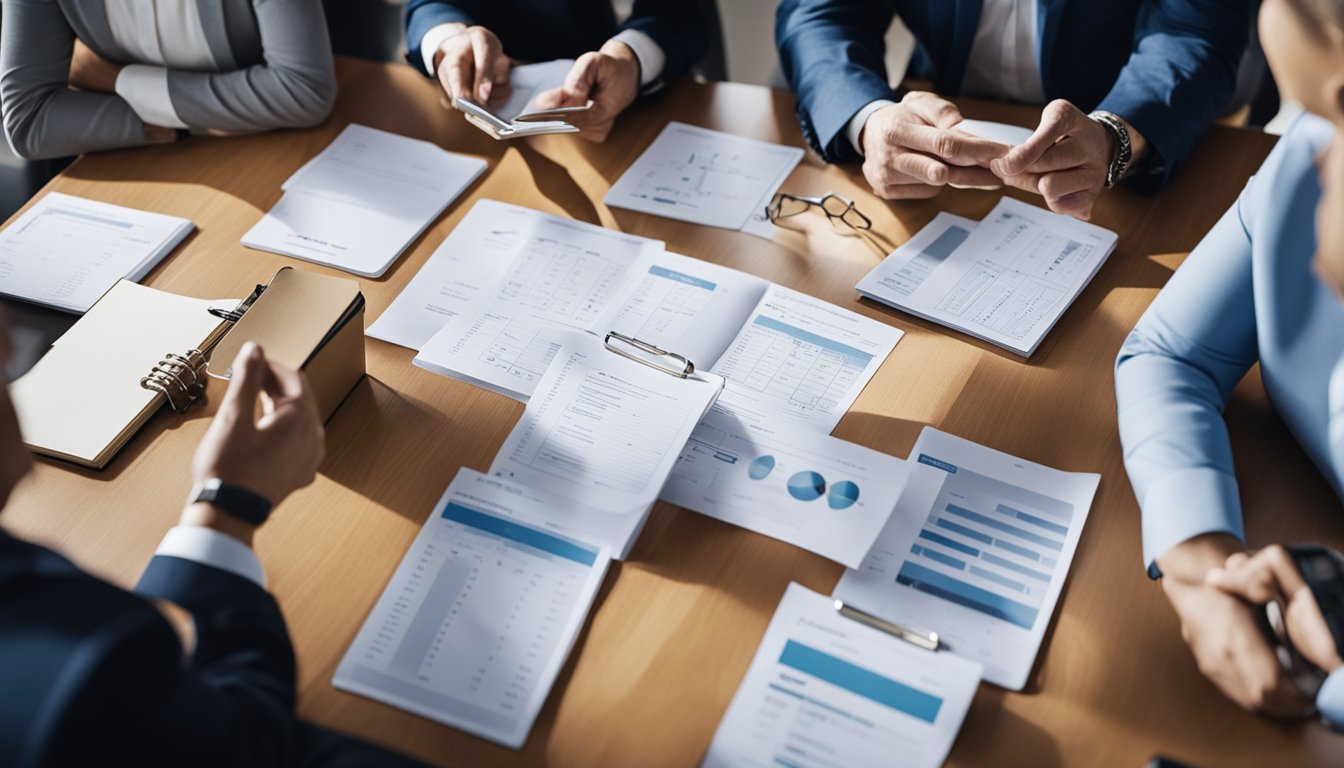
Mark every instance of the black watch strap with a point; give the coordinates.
(1323, 570)
(239, 502)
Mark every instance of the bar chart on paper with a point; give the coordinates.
(988, 545)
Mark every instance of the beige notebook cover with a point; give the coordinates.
(83, 399)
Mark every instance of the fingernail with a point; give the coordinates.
(486, 88)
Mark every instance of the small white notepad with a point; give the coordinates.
(65, 252)
(363, 200)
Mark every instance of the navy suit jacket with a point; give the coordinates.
(542, 30)
(93, 675)
(1167, 66)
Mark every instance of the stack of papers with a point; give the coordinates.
(513, 113)
(363, 200)
(475, 624)
(65, 252)
(1006, 279)
(706, 177)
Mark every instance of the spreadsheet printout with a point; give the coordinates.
(1006, 280)
(604, 431)
(704, 177)
(797, 485)
(825, 691)
(478, 618)
(801, 358)
(977, 550)
(563, 276)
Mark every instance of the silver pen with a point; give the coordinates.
(927, 641)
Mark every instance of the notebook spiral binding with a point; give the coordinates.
(179, 378)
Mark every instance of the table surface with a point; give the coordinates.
(675, 626)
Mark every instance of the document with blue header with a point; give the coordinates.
(826, 691)
(479, 617)
(977, 550)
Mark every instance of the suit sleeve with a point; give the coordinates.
(43, 116)
(1181, 75)
(424, 15)
(832, 53)
(676, 26)
(234, 701)
(293, 87)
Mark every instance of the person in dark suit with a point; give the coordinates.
(195, 666)
(1131, 86)
(468, 46)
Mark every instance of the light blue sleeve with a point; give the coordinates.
(1330, 699)
(1172, 380)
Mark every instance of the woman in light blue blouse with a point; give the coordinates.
(1254, 291)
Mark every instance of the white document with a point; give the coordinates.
(526, 83)
(477, 249)
(561, 275)
(977, 551)
(684, 305)
(362, 200)
(803, 359)
(1003, 133)
(475, 624)
(1008, 282)
(797, 485)
(65, 252)
(704, 177)
(825, 691)
(604, 432)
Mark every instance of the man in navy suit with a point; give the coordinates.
(194, 667)
(468, 44)
(1131, 85)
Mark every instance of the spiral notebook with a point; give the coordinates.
(134, 350)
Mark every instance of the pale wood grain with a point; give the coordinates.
(676, 625)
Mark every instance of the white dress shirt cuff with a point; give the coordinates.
(210, 547)
(1335, 431)
(650, 55)
(145, 88)
(1330, 699)
(855, 128)
(1186, 504)
(433, 40)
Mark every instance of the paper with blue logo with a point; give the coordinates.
(824, 690)
(977, 550)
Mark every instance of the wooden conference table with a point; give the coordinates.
(675, 626)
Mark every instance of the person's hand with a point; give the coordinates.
(1066, 160)
(91, 72)
(1269, 574)
(471, 64)
(267, 436)
(609, 77)
(911, 150)
(1223, 630)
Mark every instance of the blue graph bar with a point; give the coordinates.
(959, 592)
(521, 534)
(1062, 530)
(946, 542)
(1022, 569)
(1008, 546)
(860, 681)
(857, 356)
(948, 525)
(939, 557)
(976, 517)
(1016, 586)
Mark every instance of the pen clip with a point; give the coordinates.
(681, 367)
(927, 641)
(236, 314)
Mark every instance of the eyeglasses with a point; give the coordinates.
(836, 208)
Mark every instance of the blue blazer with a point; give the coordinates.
(93, 675)
(1167, 67)
(542, 30)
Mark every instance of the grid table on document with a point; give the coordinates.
(809, 371)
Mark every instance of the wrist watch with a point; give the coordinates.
(236, 501)
(1124, 150)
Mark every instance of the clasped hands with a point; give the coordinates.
(471, 64)
(913, 149)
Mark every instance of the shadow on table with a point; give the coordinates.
(557, 185)
(980, 741)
